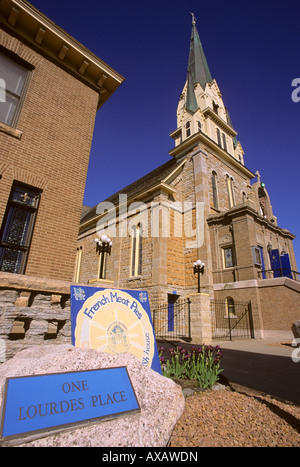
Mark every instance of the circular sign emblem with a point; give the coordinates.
(113, 321)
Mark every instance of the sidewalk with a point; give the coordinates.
(270, 346)
(263, 364)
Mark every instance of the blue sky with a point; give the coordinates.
(252, 49)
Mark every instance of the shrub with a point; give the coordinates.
(201, 364)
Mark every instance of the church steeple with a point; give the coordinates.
(198, 71)
(201, 113)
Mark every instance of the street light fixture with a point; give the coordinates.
(103, 247)
(199, 269)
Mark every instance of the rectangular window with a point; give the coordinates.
(256, 255)
(13, 81)
(228, 257)
(17, 228)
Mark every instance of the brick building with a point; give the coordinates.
(200, 205)
(51, 88)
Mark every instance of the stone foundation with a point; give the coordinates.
(33, 311)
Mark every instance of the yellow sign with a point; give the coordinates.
(115, 321)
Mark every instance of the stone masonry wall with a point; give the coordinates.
(32, 312)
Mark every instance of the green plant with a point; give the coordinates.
(201, 364)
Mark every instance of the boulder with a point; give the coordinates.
(296, 329)
(161, 400)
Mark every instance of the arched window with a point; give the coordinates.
(78, 263)
(262, 202)
(102, 264)
(188, 129)
(224, 142)
(219, 137)
(136, 252)
(230, 191)
(230, 309)
(214, 181)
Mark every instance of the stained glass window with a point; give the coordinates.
(17, 227)
(228, 260)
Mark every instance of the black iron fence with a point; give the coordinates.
(231, 320)
(172, 320)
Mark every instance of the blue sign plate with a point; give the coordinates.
(53, 401)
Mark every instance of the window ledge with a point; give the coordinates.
(10, 131)
(135, 278)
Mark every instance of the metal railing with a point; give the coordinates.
(281, 272)
(172, 320)
(233, 322)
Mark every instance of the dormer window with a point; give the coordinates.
(199, 125)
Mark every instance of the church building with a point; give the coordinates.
(199, 227)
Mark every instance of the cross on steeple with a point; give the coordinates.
(193, 18)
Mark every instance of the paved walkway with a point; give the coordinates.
(263, 364)
(274, 346)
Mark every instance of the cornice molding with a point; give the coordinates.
(190, 144)
(208, 112)
(242, 210)
(25, 21)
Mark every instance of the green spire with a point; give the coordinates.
(191, 101)
(198, 71)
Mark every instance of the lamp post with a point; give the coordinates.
(199, 269)
(103, 246)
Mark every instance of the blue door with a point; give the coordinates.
(286, 265)
(275, 263)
